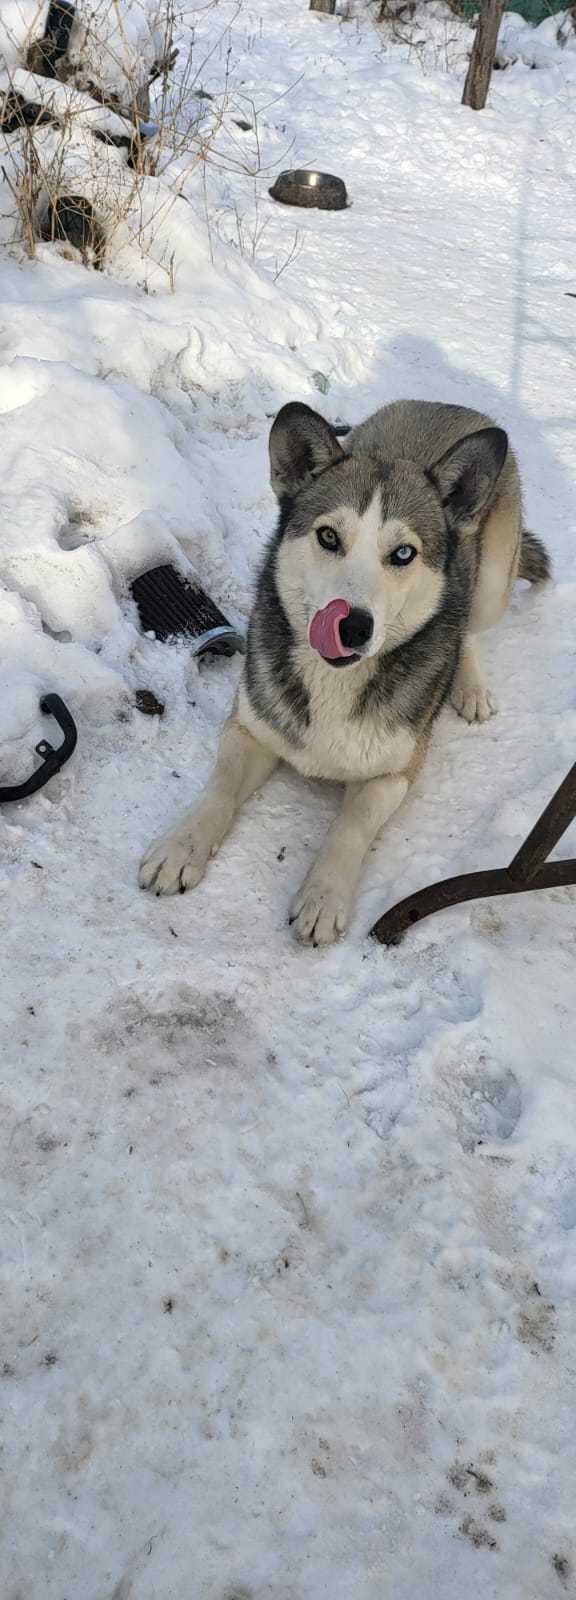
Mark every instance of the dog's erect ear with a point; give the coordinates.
(302, 444)
(466, 475)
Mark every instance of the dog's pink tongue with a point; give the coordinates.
(324, 634)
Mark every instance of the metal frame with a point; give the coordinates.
(529, 870)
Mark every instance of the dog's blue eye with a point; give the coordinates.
(403, 555)
(328, 538)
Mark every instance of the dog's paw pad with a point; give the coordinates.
(474, 704)
(319, 916)
(171, 866)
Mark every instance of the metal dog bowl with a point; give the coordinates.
(304, 187)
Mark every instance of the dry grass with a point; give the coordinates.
(68, 136)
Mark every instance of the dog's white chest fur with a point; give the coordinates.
(334, 745)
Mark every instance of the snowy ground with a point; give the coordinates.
(288, 1239)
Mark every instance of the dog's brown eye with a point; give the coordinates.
(402, 555)
(328, 538)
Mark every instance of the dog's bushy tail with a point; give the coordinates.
(534, 559)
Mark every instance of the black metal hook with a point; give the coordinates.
(52, 760)
(529, 870)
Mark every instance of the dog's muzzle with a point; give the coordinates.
(339, 632)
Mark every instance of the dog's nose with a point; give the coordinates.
(356, 629)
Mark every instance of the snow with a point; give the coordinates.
(536, 47)
(111, 43)
(287, 1238)
(20, 21)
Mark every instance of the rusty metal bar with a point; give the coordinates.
(529, 870)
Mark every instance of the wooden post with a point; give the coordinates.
(483, 53)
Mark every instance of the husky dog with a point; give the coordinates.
(390, 556)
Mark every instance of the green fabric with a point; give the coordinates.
(532, 10)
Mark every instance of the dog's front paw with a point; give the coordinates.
(175, 863)
(473, 702)
(320, 912)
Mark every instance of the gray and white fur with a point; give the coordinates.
(414, 530)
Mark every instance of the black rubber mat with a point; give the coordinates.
(170, 606)
(58, 28)
(43, 55)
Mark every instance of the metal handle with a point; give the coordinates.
(52, 760)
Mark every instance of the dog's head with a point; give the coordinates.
(365, 544)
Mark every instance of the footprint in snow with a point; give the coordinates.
(483, 1095)
(477, 1520)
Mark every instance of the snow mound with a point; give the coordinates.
(105, 474)
(112, 46)
(546, 45)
